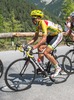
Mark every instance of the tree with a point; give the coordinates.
(67, 8)
(1, 22)
(12, 25)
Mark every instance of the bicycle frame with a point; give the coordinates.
(29, 56)
(32, 58)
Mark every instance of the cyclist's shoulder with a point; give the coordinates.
(46, 22)
(43, 23)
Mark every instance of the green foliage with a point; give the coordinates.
(1, 23)
(16, 14)
(67, 8)
(12, 25)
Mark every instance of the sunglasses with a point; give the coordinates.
(33, 18)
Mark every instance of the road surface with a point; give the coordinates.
(39, 90)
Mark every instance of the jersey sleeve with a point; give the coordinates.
(44, 27)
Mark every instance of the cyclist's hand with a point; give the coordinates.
(28, 48)
(34, 47)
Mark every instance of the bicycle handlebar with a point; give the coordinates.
(27, 48)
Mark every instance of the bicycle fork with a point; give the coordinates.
(24, 67)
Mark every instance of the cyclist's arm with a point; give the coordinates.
(42, 41)
(34, 38)
(68, 32)
(69, 27)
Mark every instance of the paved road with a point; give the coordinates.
(39, 90)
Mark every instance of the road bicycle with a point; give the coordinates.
(1, 68)
(70, 54)
(22, 73)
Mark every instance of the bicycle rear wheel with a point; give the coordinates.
(70, 54)
(63, 75)
(20, 74)
(1, 68)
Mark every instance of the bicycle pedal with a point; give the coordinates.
(38, 71)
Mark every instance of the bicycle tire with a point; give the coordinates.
(70, 54)
(1, 68)
(63, 75)
(15, 79)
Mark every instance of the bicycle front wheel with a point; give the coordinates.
(20, 74)
(70, 54)
(1, 68)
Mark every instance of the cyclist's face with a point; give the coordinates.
(34, 20)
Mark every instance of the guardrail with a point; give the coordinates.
(18, 34)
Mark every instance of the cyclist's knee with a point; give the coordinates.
(41, 48)
(46, 52)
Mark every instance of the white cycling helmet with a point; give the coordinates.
(72, 14)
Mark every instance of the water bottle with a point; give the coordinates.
(39, 61)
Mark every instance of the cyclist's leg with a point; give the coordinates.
(41, 56)
(52, 60)
(51, 45)
(40, 49)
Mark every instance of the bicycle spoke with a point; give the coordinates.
(62, 76)
(17, 81)
(24, 68)
(70, 54)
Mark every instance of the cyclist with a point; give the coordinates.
(72, 25)
(69, 26)
(51, 35)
